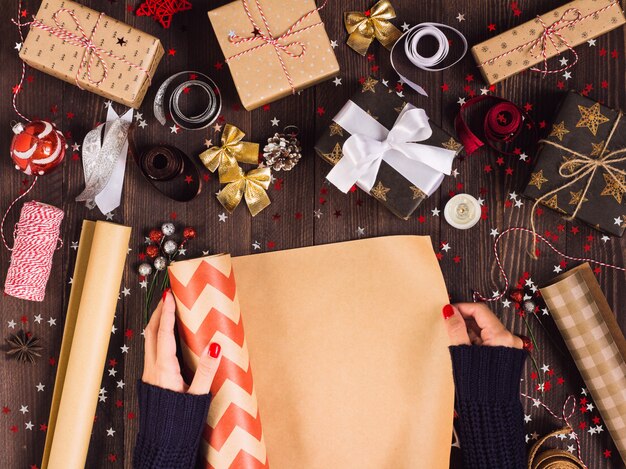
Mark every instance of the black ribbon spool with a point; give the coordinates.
(167, 168)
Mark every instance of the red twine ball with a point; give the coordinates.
(189, 232)
(155, 236)
(152, 251)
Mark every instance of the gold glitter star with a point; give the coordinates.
(452, 145)
(615, 186)
(380, 191)
(576, 197)
(597, 148)
(591, 117)
(417, 193)
(553, 203)
(335, 155)
(559, 131)
(335, 129)
(537, 179)
(369, 85)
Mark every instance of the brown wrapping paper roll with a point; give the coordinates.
(97, 276)
(596, 343)
(349, 352)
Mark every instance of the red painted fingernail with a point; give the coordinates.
(215, 349)
(448, 311)
(165, 292)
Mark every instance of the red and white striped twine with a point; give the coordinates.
(548, 34)
(564, 417)
(269, 39)
(478, 297)
(36, 238)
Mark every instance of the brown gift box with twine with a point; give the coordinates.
(93, 51)
(546, 36)
(580, 169)
(273, 48)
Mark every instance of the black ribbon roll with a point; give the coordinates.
(170, 171)
(169, 94)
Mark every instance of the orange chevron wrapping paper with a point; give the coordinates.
(208, 310)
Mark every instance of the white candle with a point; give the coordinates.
(462, 211)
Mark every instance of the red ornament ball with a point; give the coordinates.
(155, 236)
(189, 232)
(152, 251)
(37, 147)
(517, 296)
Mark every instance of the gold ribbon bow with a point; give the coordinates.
(363, 27)
(251, 185)
(232, 150)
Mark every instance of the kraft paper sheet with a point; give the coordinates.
(595, 341)
(96, 282)
(349, 352)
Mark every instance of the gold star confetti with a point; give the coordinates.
(452, 145)
(615, 186)
(335, 155)
(368, 85)
(417, 193)
(591, 117)
(335, 129)
(576, 197)
(559, 131)
(380, 191)
(537, 179)
(597, 148)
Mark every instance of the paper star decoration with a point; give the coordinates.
(162, 10)
(591, 117)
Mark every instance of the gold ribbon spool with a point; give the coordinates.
(553, 458)
(365, 27)
(251, 186)
(233, 149)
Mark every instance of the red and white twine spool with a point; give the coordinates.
(36, 238)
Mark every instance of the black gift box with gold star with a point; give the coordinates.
(391, 188)
(580, 169)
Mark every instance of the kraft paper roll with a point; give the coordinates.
(348, 348)
(93, 299)
(596, 343)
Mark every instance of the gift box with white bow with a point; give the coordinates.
(388, 148)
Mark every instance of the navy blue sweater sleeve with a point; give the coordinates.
(490, 425)
(170, 428)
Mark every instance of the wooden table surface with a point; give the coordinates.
(291, 221)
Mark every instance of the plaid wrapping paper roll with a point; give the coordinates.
(596, 343)
(208, 310)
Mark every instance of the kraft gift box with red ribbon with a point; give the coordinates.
(388, 148)
(91, 50)
(580, 168)
(274, 48)
(531, 44)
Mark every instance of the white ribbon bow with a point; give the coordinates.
(371, 143)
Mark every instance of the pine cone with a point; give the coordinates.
(282, 152)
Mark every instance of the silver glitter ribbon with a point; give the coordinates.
(104, 160)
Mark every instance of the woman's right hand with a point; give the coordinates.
(475, 324)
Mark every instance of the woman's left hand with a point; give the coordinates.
(161, 367)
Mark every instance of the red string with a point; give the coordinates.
(478, 297)
(162, 10)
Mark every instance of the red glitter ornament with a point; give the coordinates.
(152, 251)
(155, 236)
(162, 10)
(189, 232)
(517, 296)
(37, 147)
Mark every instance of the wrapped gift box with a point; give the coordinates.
(399, 185)
(263, 72)
(520, 48)
(121, 66)
(584, 135)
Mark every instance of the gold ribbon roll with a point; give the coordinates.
(251, 185)
(553, 458)
(232, 150)
(363, 27)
